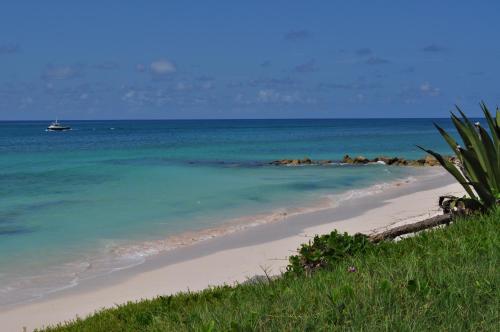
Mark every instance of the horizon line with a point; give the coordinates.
(233, 119)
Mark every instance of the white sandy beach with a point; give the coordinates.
(232, 260)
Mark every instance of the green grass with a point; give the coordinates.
(445, 279)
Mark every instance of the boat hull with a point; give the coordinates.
(59, 129)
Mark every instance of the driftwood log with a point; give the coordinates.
(410, 228)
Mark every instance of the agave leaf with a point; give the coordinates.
(473, 166)
(495, 133)
(462, 130)
(453, 171)
(451, 142)
(498, 119)
(468, 123)
(492, 160)
(487, 197)
(491, 123)
(466, 119)
(475, 142)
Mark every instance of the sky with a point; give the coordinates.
(253, 59)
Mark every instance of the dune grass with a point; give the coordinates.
(444, 279)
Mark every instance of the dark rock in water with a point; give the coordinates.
(361, 160)
(347, 159)
(297, 162)
(431, 161)
(357, 160)
(280, 162)
(393, 161)
(398, 162)
(419, 162)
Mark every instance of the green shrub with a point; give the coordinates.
(326, 250)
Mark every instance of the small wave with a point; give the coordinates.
(149, 248)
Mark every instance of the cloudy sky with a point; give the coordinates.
(258, 59)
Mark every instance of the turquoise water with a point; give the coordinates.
(71, 201)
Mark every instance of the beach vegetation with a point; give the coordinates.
(327, 250)
(477, 163)
(443, 279)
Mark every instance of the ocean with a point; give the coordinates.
(108, 194)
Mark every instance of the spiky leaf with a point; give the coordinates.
(451, 168)
(479, 172)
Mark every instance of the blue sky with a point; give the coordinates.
(258, 59)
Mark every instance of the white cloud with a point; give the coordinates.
(270, 96)
(429, 90)
(412, 94)
(266, 96)
(162, 67)
(129, 95)
(425, 86)
(52, 72)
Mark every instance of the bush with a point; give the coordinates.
(326, 250)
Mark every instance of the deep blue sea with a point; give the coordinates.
(100, 197)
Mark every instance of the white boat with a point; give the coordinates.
(56, 126)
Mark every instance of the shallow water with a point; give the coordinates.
(79, 203)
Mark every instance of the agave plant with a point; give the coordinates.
(477, 166)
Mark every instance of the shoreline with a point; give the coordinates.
(116, 257)
(218, 260)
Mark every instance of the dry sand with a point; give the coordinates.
(235, 257)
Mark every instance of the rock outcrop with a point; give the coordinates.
(361, 160)
(297, 162)
(431, 161)
(396, 161)
(347, 160)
